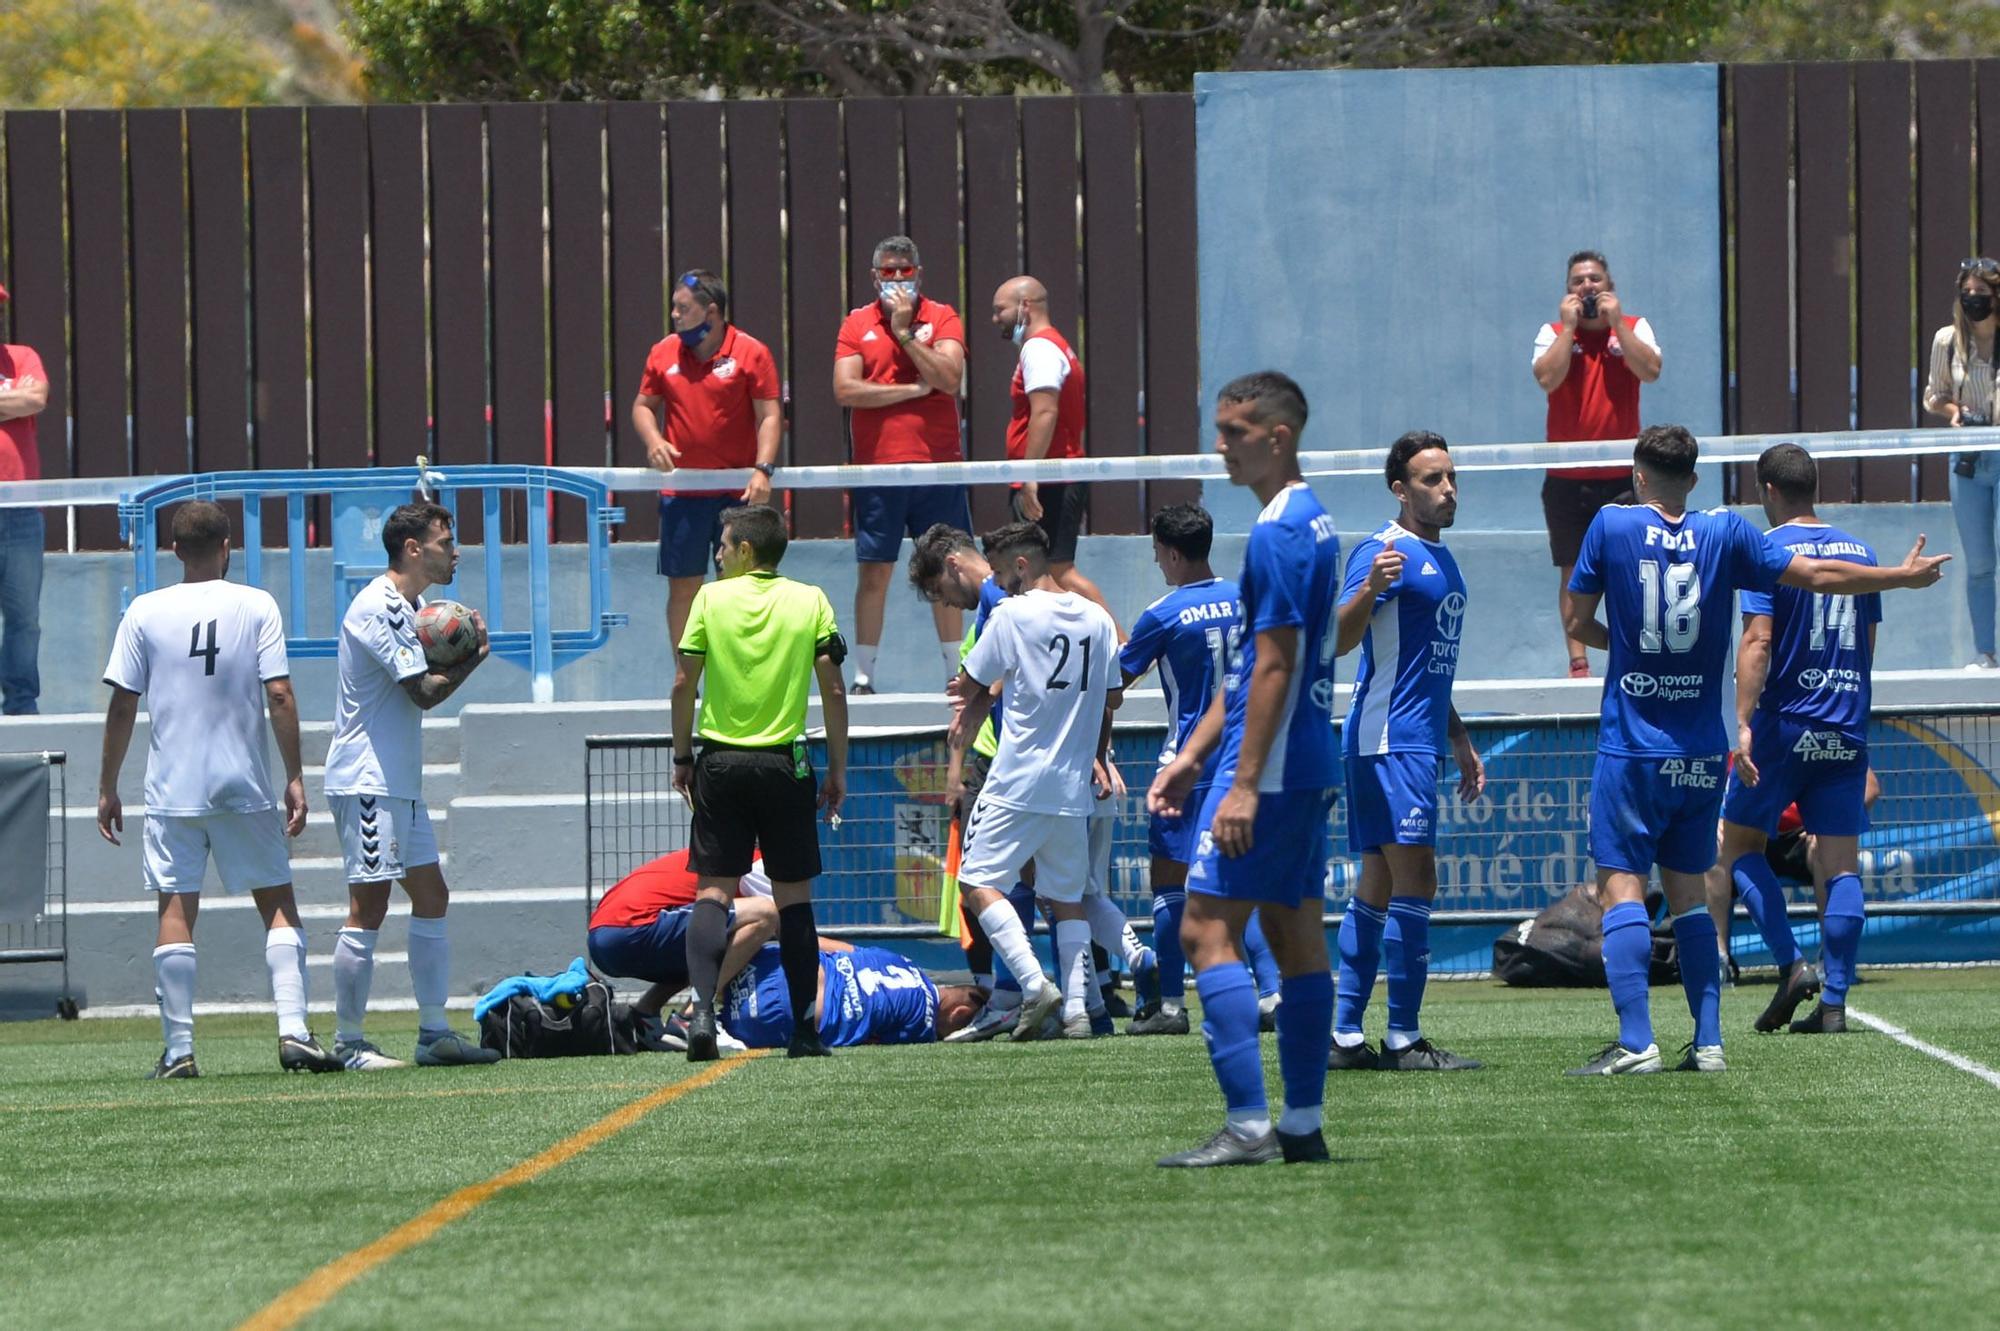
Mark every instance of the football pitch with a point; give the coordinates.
(1843, 1180)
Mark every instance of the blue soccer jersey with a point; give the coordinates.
(990, 595)
(870, 996)
(1291, 577)
(1820, 644)
(1668, 585)
(1186, 632)
(1409, 655)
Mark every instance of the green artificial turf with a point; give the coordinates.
(1821, 1181)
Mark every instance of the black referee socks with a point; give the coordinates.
(707, 937)
(798, 950)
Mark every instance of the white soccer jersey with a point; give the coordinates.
(377, 728)
(1058, 653)
(200, 652)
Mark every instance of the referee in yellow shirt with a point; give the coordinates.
(761, 639)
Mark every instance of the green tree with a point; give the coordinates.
(1857, 30)
(62, 53)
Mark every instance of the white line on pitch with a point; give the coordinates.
(1903, 1037)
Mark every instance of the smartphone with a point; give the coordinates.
(1590, 307)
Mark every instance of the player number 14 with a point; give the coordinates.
(1670, 606)
(1835, 615)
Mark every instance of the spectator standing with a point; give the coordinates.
(1047, 422)
(24, 393)
(1960, 389)
(898, 366)
(716, 388)
(1590, 362)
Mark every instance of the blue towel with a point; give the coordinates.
(542, 988)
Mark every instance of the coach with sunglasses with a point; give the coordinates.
(1960, 389)
(717, 389)
(897, 368)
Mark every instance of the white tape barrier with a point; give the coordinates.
(1844, 444)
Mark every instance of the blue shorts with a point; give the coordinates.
(1647, 811)
(884, 514)
(691, 533)
(1174, 838)
(1392, 800)
(656, 952)
(1286, 863)
(1824, 770)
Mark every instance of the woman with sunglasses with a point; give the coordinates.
(1961, 390)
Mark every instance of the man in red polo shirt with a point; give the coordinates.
(639, 929)
(898, 365)
(1590, 362)
(24, 392)
(718, 389)
(1047, 422)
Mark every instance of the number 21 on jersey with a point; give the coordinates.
(1670, 606)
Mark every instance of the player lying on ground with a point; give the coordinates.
(1665, 575)
(866, 995)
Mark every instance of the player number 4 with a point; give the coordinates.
(208, 653)
(1669, 593)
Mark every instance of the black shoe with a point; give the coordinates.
(1115, 1004)
(179, 1070)
(1267, 1019)
(1226, 1148)
(1157, 1020)
(807, 1044)
(295, 1055)
(861, 690)
(1303, 1148)
(701, 1035)
(1352, 1058)
(1825, 1019)
(1423, 1056)
(660, 1035)
(1795, 986)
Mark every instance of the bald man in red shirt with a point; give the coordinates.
(24, 394)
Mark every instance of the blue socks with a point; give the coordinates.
(1765, 900)
(1628, 954)
(1361, 929)
(1840, 930)
(1229, 1024)
(1257, 955)
(1168, 906)
(1701, 973)
(1406, 951)
(1305, 1037)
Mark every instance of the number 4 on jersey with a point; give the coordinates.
(208, 653)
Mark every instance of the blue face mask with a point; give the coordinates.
(691, 337)
(908, 289)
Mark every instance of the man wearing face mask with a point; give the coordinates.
(717, 389)
(898, 365)
(1047, 422)
(1590, 362)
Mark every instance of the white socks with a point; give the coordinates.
(1073, 964)
(864, 662)
(430, 973)
(1249, 1124)
(1112, 931)
(173, 984)
(1010, 940)
(285, 958)
(353, 969)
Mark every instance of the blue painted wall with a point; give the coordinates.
(1394, 238)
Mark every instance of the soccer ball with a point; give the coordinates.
(445, 629)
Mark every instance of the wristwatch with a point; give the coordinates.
(906, 337)
(687, 761)
(766, 467)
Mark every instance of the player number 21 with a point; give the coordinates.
(1060, 643)
(1669, 592)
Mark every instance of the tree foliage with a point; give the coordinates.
(62, 53)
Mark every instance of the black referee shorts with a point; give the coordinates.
(746, 800)
(1062, 516)
(1568, 505)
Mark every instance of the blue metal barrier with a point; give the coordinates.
(360, 499)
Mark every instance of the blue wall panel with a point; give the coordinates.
(1394, 238)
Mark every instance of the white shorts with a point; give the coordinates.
(381, 837)
(1101, 830)
(999, 840)
(249, 851)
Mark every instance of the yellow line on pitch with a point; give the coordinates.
(313, 1293)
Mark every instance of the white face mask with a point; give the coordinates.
(907, 288)
(1021, 329)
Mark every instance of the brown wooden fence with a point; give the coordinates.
(330, 287)
(340, 285)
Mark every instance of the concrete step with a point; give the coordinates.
(493, 935)
(100, 871)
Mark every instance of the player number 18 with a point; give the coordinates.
(1669, 593)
